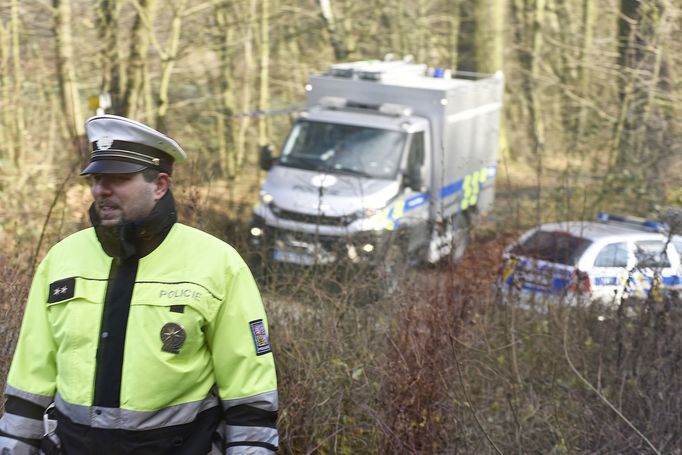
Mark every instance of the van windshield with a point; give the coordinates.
(344, 149)
(552, 246)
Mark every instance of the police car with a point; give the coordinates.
(608, 259)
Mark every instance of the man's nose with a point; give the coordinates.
(101, 187)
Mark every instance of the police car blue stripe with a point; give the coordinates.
(672, 280)
(605, 281)
(559, 283)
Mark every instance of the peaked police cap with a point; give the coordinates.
(121, 145)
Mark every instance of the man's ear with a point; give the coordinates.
(162, 185)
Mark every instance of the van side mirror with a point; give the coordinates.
(412, 179)
(265, 158)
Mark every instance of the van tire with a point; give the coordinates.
(461, 232)
(394, 265)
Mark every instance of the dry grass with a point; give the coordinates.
(439, 366)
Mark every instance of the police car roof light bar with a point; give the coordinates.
(649, 225)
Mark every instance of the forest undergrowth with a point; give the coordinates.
(441, 365)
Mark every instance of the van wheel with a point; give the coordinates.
(394, 265)
(461, 231)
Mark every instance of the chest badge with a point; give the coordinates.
(173, 337)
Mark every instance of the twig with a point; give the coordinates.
(602, 397)
(468, 400)
(49, 214)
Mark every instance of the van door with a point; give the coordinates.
(416, 205)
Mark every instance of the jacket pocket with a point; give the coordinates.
(74, 309)
(169, 318)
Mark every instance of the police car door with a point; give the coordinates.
(653, 268)
(610, 272)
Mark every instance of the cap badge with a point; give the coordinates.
(104, 142)
(173, 337)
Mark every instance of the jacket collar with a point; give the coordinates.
(136, 238)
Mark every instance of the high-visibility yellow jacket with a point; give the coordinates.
(146, 343)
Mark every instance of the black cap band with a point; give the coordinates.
(132, 152)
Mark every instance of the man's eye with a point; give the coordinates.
(122, 178)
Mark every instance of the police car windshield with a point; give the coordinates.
(344, 149)
(552, 246)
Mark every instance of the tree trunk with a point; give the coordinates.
(18, 126)
(7, 147)
(531, 63)
(489, 19)
(528, 16)
(66, 73)
(588, 17)
(335, 39)
(629, 130)
(168, 60)
(134, 94)
(264, 90)
(113, 78)
(454, 15)
(225, 122)
(245, 121)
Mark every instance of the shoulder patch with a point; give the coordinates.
(61, 290)
(260, 337)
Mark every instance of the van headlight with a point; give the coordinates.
(365, 213)
(362, 245)
(266, 198)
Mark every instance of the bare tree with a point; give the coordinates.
(644, 134)
(11, 77)
(168, 59)
(5, 98)
(134, 92)
(247, 70)
(113, 78)
(335, 36)
(68, 84)
(264, 90)
(224, 120)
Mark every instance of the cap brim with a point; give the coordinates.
(111, 167)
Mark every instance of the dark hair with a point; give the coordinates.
(150, 174)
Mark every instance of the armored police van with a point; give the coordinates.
(388, 162)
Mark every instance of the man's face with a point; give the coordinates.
(121, 198)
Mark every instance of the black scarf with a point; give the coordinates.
(136, 238)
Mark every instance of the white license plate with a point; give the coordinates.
(292, 257)
(295, 257)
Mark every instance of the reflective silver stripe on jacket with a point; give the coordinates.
(260, 434)
(15, 447)
(21, 427)
(41, 400)
(125, 419)
(267, 401)
(248, 450)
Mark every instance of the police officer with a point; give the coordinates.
(146, 335)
